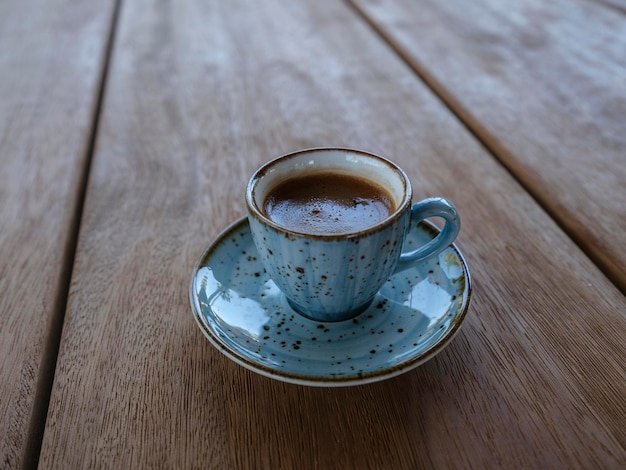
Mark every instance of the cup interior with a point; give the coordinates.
(342, 161)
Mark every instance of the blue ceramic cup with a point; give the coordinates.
(335, 277)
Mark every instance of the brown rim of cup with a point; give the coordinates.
(256, 212)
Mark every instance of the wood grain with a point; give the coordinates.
(542, 85)
(51, 56)
(200, 96)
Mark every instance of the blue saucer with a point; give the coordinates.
(242, 312)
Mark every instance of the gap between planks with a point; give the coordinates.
(488, 141)
(47, 367)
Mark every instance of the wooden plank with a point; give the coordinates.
(197, 99)
(51, 56)
(542, 84)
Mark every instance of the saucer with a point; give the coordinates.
(243, 314)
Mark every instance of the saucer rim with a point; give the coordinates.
(378, 375)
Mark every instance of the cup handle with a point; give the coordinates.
(432, 207)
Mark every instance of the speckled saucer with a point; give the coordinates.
(242, 312)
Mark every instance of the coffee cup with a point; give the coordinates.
(329, 226)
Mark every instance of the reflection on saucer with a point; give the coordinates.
(243, 313)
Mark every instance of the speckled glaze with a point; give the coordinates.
(330, 280)
(245, 315)
(335, 277)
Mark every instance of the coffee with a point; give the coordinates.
(328, 203)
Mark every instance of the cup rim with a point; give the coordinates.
(256, 211)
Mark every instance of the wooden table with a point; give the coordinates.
(128, 131)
